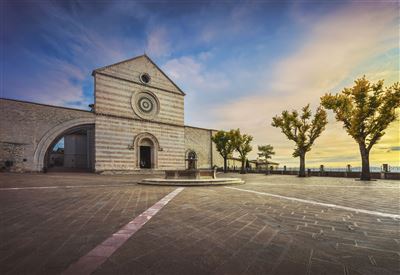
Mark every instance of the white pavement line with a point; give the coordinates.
(97, 256)
(321, 185)
(320, 203)
(61, 186)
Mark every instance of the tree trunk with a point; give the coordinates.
(365, 173)
(225, 160)
(243, 170)
(302, 171)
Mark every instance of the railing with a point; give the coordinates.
(383, 172)
(376, 169)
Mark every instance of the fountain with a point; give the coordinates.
(192, 177)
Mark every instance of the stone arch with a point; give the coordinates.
(151, 141)
(50, 136)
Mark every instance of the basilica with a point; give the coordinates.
(136, 125)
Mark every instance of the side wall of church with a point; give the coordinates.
(199, 141)
(117, 125)
(23, 125)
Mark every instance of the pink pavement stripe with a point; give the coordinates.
(97, 256)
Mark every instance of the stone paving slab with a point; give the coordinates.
(43, 231)
(386, 193)
(248, 230)
(203, 230)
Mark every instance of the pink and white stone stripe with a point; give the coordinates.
(96, 257)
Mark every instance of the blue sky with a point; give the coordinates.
(239, 62)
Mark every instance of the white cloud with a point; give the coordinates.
(158, 43)
(195, 77)
(333, 50)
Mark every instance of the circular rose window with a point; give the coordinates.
(145, 104)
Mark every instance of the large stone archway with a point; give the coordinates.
(49, 138)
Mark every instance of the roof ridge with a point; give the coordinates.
(118, 63)
(136, 57)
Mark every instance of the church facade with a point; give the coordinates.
(136, 126)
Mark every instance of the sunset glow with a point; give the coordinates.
(239, 64)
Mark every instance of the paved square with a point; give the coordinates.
(270, 225)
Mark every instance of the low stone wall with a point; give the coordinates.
(340, 174)
(392, 176)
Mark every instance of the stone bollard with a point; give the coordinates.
(385, 169)
(348, 170)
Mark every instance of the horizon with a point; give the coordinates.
(242, 62)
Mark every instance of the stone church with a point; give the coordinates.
(136, 125)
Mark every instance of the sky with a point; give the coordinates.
(239, 62)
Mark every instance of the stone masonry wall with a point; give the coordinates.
(113, 97)
(22, 126)
(117, 124)
(132, 69)
(199, 140)
(114, 136)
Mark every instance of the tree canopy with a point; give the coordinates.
(266, 151)
(242, 145)
(302, 129)
(366, 110)
(224, 145)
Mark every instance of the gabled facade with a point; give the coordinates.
(136, 105)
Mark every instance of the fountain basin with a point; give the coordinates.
(191, 174)
(193, 177)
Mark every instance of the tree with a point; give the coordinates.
(224, 145)
(302, 130)
(266, 152)
(366, 110)
(242, 145)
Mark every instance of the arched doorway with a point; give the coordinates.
(72, 150)
(146, 154)
(146, 146)
(51, 137)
